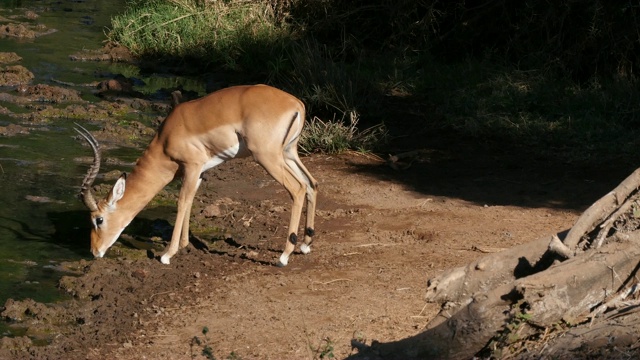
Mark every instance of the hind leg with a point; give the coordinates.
(276, 166)
(311, 188)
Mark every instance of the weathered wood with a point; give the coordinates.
(565, 292)
(461, 336)
(483, 298)
(602, 209)
(568, 291)
(460, 284)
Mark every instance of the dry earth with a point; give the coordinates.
(381, 233)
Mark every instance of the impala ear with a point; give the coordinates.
(117, 191)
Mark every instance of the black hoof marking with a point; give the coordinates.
(293, 238)
(309, 232)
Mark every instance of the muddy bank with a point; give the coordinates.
(23, 26)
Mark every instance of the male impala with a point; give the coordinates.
(235, 122)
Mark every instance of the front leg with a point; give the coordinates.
(184, 236)
(180, 236)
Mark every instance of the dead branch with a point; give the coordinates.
(394, 160)
(616, 301)
(483, 299)
(459, 285)
(601, 209)
(558, 247)
(564, 292)
(608, 224)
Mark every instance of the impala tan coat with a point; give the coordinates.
(256, 120)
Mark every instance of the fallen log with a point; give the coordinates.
(602, 209)
(458, 285)
(540, 284)
(566, 292)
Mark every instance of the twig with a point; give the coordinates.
(351, 253)
(165, 23)
(331, 281)
(615, 302)
(625, 305)
(421, 311)
(365, 154)
(607, 224)
(486, 250)
(160, 293)
(394, 160)
(374, 244)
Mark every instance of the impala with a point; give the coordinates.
(198, 135)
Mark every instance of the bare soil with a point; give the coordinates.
(381, 233)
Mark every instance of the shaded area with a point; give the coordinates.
(500, 174)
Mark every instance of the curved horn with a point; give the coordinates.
(85, 190)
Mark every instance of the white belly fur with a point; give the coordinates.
(225, 155)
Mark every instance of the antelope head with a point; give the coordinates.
(107, 226)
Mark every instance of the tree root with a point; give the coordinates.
(571, 277)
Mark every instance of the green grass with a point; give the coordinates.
(536, 109)
(334, 137)
(347, 84)
(229, 33)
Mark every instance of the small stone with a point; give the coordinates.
(212, 211)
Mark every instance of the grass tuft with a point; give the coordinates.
(334, 137)
(231, 33)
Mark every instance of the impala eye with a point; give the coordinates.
(99, 221)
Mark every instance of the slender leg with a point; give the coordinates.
(282, 173)
(190, 183)
(293, 161)
(184, 237)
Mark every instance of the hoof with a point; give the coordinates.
(283, 261)
(165, 259)
(305, 249)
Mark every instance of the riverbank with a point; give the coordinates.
(381, 232)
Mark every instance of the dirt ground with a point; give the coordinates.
(381, 233)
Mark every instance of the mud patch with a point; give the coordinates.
(24, 31)
(23, 26)
(15, 75)
(13, 130)
(9, 57)
(109, 52)
(47, 93)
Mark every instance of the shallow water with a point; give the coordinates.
(41, 220)
(38, 175)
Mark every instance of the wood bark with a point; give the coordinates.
(460, 284)
(546, 281)
(601, 209)
(565, 292)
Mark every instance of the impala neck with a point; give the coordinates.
(153, 171)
